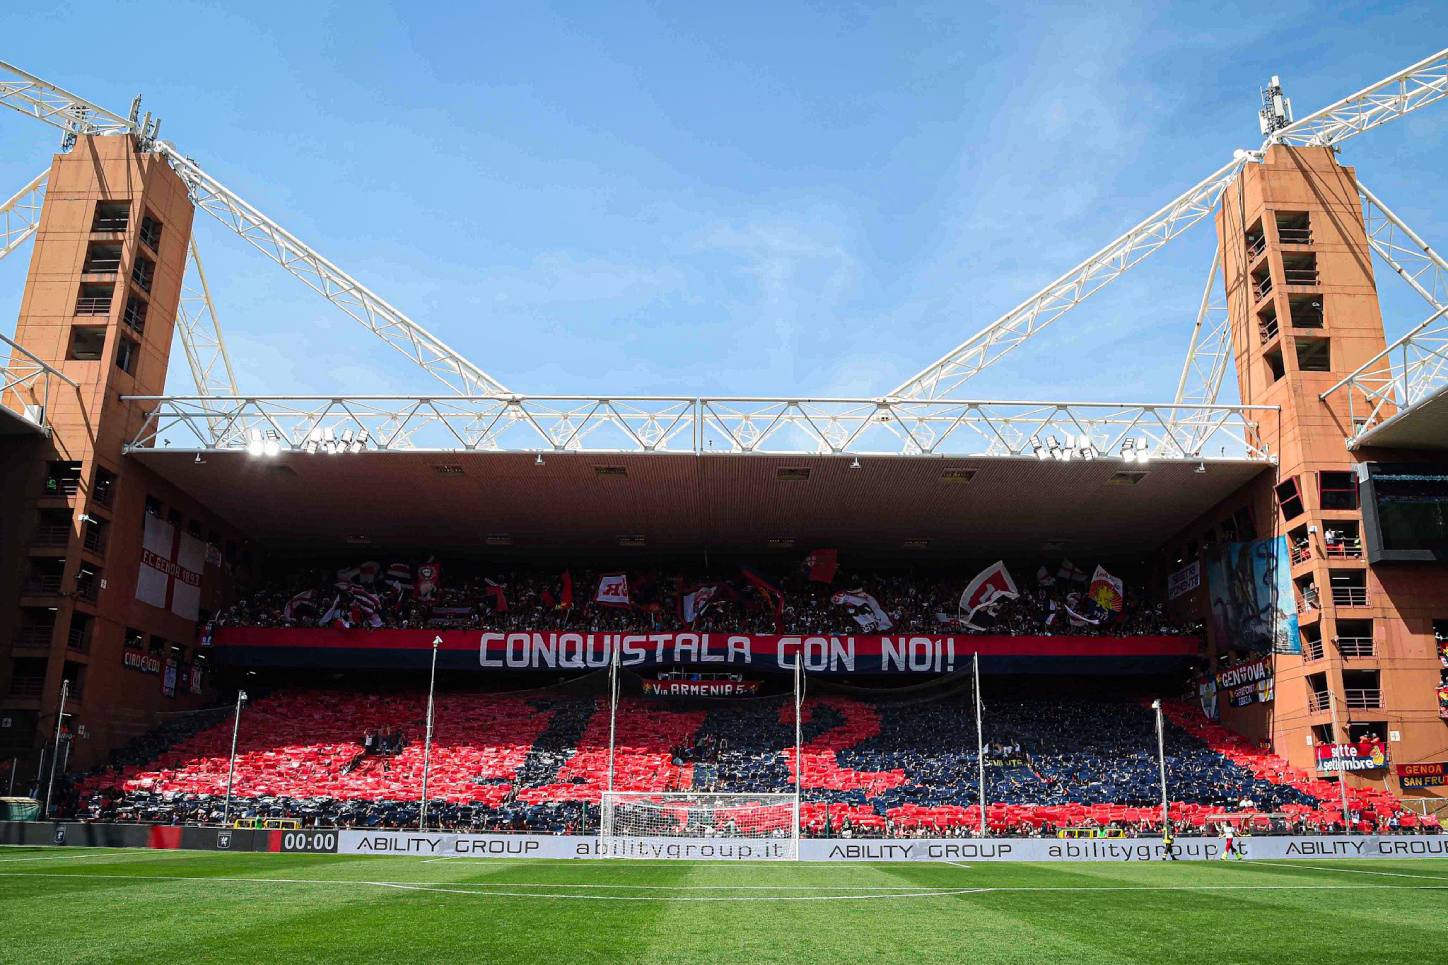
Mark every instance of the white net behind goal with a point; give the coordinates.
(699, 825)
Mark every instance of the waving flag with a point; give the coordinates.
(612, 590)
(1108, 592)
(821, 565)
(695, 603)
(429, 580)
(303, 604)
(772, 595)
(990, 586)
(494, 593)
(877, 620)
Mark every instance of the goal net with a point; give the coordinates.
(693, 825)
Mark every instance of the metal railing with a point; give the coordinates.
(1255, 246)
(93, 305)
(95, 540)
(1307, 601)
(26, 686)
(42, 585)
(1363, 699)
(1294, 236)
(50, 536)
(1311, 649)
(28, 384)
(705, 426)
(1355, 646)
(1349, 596)
(1300, 552)
(1269, 330)
(1318, 701)
(34, 635)
(78, 639)
(1344, 549)
(1299, 276)
(1262, 288)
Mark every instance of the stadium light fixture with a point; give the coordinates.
(254, 445)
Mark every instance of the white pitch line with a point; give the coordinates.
(958, 864)
(122, 856)
(473, 886)
(671, 898)
(1354, 871)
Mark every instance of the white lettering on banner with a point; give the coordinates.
(445, 845)
(1184, 580)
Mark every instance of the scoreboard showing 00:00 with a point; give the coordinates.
(314, 842)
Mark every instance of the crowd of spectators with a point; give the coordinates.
(518, 599)
(877, 767)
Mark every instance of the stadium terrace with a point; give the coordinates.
(484, 622)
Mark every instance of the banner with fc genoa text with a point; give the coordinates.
(450, 845)
(360, 648)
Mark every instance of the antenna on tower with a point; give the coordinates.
(136, 109)
(1276, 112)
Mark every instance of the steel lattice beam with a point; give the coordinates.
(705, 426)
(1401, 93)
(1405, 252)
(36, 98)
(20, 216)
(1210, 350)
(28, 383)
(1011, 330)
(1400, 377)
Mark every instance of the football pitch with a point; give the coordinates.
(77, 904)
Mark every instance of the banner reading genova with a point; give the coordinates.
(361, 648)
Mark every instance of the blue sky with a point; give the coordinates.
(746, 199)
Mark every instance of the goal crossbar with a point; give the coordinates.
(698, 824)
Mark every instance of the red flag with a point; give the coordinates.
(772, 595)
(565, 599)
(990, 585)
(495, 595)
(822, 565)
(429, 580)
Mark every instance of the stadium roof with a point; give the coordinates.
(664, 502)
(1424, 426)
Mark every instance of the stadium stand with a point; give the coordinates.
(900, 767)
(378, 596)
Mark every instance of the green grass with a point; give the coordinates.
(76, 905)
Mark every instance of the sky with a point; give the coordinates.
(774, 199)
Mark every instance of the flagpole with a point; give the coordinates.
(798, 737)
(612, 710)
(427, 739)
(979, 742)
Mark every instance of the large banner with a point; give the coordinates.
(1433, 774)
(1362, 756)
(171, 566)
(1250, 590)
(360, 647)
(1247, 682)
(451, 845)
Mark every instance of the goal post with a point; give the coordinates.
(699, 825)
